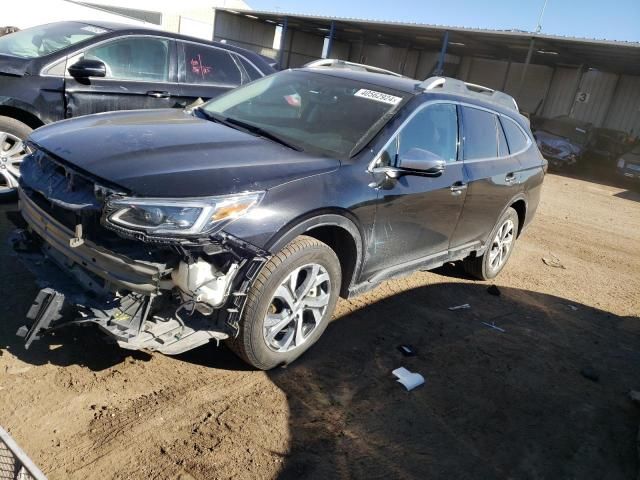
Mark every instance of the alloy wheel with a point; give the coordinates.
(501, 245)
(297, 308)
(12, 151)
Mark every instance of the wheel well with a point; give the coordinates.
(344, 245)
(521, 209)
(21, 115)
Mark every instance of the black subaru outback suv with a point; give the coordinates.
(245, 219)
(67, 69)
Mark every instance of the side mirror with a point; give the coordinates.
(88, 68)
(421, 160)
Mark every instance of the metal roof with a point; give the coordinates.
(609, 55)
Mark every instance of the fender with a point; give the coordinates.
(302, 225)
(20, 105)
(518, 196)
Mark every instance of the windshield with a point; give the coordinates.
(311, 111)
(565, 129)
(45, 39)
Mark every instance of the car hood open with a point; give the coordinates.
(171, 153)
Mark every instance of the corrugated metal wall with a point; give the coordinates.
(484, 71)
(564, 84)
(624, 113)
(529, 93)
(599, 86)
(245, 32)
(340, 50)
(301, 48)
(426, 64)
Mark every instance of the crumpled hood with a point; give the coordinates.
(13, 66)
(557, 147)
(171, 153)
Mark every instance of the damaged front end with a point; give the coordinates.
(154, 277)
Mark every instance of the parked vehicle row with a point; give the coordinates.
(566, 142)
(68, 69)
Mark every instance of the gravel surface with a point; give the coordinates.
(546, 396)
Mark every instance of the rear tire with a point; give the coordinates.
(289, 304)
(501, 243)
(12, 133)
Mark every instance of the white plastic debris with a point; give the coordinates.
(460, 307)
(494, 326)
(409, 379)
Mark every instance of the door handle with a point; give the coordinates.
(510, 178)
(158, 94)
(457, 188)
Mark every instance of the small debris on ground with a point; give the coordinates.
(494, 326)
(634, 395)
(590, 373)
(553, 262)
(407, 350)
(494, 290)
(572, 307)
(410, 380)
(460, 307)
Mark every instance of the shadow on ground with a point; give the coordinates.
(510, 404)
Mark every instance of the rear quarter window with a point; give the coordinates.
(516, 139)
(480, 134)
(209, 65)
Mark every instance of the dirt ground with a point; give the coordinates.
(510, 404)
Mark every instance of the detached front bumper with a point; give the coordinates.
(133, 301)
(115, 271)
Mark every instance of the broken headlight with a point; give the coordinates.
(183, 217)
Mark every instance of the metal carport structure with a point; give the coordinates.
(591, 79)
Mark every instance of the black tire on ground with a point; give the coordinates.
(479, 266)
(250, 344)
(20, 130)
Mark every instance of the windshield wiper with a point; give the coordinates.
(261, 132)
(233, 123)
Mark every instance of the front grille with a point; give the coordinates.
(71, 198)
(64, 194)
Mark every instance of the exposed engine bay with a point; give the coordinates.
(164, 293)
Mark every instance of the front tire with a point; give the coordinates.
(12, 134)
(289, 304)
(502, 240)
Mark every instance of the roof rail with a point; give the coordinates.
(335, 63)
(452, 85)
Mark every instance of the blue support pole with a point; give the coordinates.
(283, 36)
(332, 31)
(443, 51)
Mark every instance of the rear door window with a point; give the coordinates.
(134, 58)
(515, 137)
(480, 134)
(210, 65)
(252, 71)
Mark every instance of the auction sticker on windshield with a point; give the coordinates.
(378, 96)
